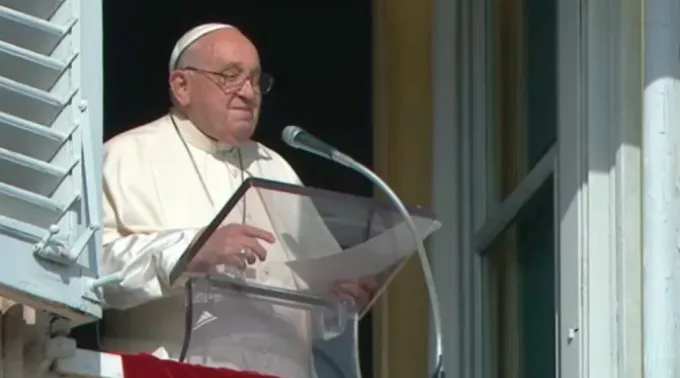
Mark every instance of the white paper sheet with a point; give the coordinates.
(364, 260)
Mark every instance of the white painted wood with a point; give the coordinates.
(50, 147)
(90, 364)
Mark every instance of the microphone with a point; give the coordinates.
(298, 138)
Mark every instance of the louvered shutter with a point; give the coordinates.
(50, 153)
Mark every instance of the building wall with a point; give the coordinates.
(432, 99)
(403, 144)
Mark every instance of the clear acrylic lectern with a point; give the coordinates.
(283, 316)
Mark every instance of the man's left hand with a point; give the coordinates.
(359, 291)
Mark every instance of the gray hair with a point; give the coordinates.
(182, 63)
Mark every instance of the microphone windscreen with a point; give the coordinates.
(289, 133)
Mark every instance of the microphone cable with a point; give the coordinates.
(188, 320)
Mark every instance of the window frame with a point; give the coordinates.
(600, 189)
(596, 163)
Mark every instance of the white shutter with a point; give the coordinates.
(50, 153)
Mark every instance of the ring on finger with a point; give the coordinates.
(244, 252)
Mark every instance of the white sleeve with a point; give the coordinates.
(144, 262)
(142, 254)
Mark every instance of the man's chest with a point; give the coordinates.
(192, 192)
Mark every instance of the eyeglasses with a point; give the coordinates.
(235, 78)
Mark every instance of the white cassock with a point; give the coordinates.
(155, 204)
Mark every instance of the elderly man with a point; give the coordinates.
(164, 181)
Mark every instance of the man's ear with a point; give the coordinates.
(179, 87)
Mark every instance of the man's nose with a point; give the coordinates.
(247, 90)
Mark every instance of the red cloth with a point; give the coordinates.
(148, 366)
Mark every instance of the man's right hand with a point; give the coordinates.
(232, 244)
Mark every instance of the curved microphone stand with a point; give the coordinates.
(347, 161)
(298, 138)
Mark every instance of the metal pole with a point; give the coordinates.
(661, 201)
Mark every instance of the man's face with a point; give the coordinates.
(222, 94)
